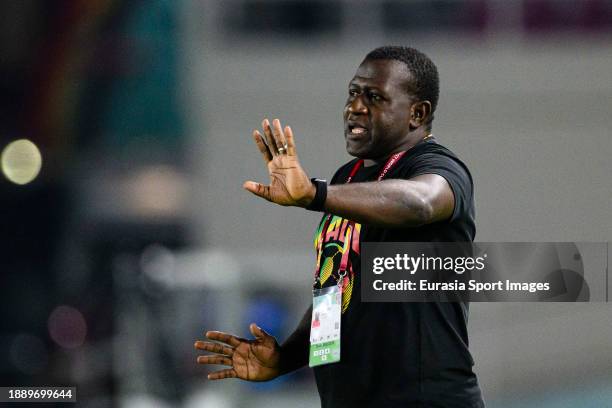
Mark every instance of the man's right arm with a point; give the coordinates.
(294, 351)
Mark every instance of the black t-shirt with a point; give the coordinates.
(400, 354)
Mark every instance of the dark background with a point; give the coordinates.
(136, 235)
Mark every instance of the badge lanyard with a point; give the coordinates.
(392, 161)
(327, 302)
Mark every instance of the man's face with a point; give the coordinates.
(377, 111)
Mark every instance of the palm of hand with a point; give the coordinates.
(256, 360)
(289, 183)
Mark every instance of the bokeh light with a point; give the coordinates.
(158, 190)
(157, 264)
(21, 161)
(67, 327)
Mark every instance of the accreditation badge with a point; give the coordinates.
(325, 326)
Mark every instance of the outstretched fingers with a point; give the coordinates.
(214, 347)
(279, 137)
(258, 332)
(225, 338)
(290, 141)
(258, 189)
(217, 359)
(269, 137)
(219, 375)
(261, 145)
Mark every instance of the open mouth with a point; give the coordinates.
(356, 130)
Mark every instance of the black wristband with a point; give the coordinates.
(318, 202)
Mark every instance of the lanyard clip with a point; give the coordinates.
(341, 276)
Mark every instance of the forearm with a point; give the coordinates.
(294, 351)
(389, 203)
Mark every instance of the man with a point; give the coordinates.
(403, 186)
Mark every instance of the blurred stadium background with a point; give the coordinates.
(125, 139)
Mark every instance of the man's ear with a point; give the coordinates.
(419, 113)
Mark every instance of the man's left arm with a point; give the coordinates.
(420, 200)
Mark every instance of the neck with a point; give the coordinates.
(409, 144)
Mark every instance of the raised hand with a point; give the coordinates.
(252, 360)
(289, 184)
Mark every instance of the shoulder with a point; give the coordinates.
(432, 157)
(431, 149)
